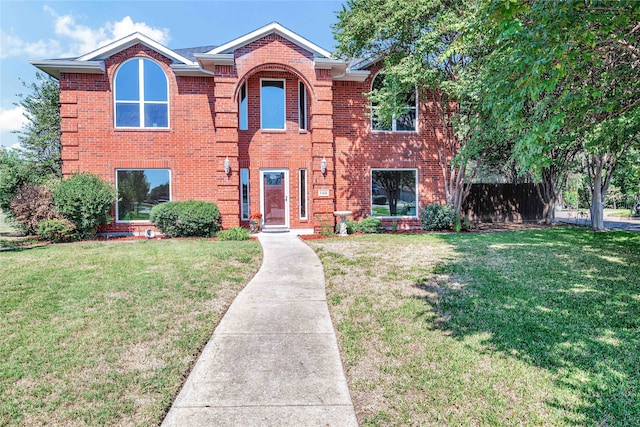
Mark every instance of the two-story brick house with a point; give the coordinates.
(268, 122)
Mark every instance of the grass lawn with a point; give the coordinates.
(532, 327)
(103, 333)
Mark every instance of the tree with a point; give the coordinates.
(419, 45)
(562, 77)
(40, 137)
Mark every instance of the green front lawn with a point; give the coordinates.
(103, 333)
(534, 327)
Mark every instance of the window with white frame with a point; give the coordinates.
(394, 192)
(244, 194)
(272, 104)
(243, 109)
(303, 194)
(302, 106)
(398, 123)
(141, 95)
(139, 190)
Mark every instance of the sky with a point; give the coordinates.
(63, 29)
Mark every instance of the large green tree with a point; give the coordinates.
(562, 77)
(419, 45)
(40, 137)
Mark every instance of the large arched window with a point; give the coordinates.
(399, 123)
(141, 95)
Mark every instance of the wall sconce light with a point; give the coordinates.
(323, 165)
(227, 166)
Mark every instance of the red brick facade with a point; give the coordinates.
(204, 131)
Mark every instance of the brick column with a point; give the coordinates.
(322, 147)
(226, 146)
(69, 128)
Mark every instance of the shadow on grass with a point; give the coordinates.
(563, 299)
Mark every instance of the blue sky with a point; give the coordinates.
(60, 29)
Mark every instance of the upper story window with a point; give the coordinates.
(141, 95)
(243, 109)
(272, 104)
(398, 123)
(302, 106)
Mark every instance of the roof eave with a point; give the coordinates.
(353, 76)
(54, 67)
(190, 71)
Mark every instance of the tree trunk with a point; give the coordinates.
(596, 209)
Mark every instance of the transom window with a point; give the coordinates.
(393, 192)
(141, 95)
(398, 123)
(139, 190)
(272, 104)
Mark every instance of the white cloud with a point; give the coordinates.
(75, 39)
(12, 119)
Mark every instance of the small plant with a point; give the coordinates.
(57, 230)
(370, 225)
(235, 233)
(437, 217)
(85, 200)
(186, 219)
(326, 226)
(255, 216)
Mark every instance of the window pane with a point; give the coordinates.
(127, 88)
(139, 190)
(302, 106)
(127, 115)
(156, 115)
(244, 192)
(393, 192)
(303, 193)
(272, 104)
(244, 112)
(155, 82)
(407, 121)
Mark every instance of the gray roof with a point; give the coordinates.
(189, 52)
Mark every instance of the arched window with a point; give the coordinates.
(141, 95)
(401, 123)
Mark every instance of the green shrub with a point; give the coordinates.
(57, 230)
(186, 219)
(370, 225)
(235, 233)
(85, 200)
(437, 217)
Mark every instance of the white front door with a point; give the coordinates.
(274, 197)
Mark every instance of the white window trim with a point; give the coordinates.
(371, 193)
(141, 102)
(139, 221)
(302, 94)
(306, 193)
(242, 212)
(284, 104)
(393, 119)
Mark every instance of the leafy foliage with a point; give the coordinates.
(40, 137)
(14, 172)
(435, 216)
(187, 219)
(57, 230)
(31, 205)
(85, 200)
(368, 225)
(235, 233)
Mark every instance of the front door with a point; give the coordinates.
(274, 197)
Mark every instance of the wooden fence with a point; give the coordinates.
(503, 203)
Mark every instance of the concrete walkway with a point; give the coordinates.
(273, 360)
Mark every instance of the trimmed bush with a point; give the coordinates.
(57, 230)
(370, 225)
(235, 233)
(437, 217)
(31, 205)
(186, 219)
(85, 200)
